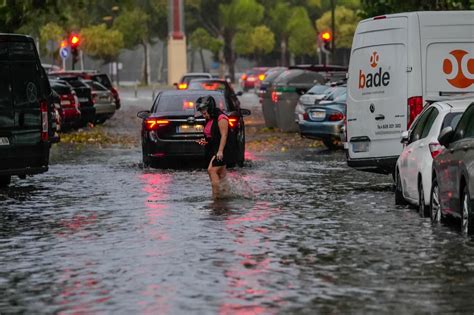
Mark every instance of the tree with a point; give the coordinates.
(346, 23)
(372, 8)
(302, 38)
(133, 25)
(200, 39)
(51, 33)
(235, 16)
(256, 41)
(280, 17)
(100, 42)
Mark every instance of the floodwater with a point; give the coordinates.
(304, 234)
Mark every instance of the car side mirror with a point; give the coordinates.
(446, 136)
(245, 112)
(405, 137)
(144, 114)
(239, 93)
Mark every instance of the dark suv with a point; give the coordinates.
(25, 114)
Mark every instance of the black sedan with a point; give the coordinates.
(453, 174)
(172, 126)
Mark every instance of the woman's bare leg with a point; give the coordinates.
(214, 177)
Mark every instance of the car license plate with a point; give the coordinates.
(360, 146)
(318, 115)
(4, 141)
(83, 99)
(190, 129)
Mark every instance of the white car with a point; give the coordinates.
(413, 173)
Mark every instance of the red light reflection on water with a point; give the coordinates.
(245, 276)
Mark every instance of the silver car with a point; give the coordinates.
(103, 99)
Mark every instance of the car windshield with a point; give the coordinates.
(318, 89)
(333, 93)
(451, 120)
(184, 102)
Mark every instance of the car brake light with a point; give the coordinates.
(251, 78)
(415, 106)
(182, 86)
(336, 116)
(435, 149)
(153, 123)
(233, 122)
(380, 17)
(261, 77)
(306, 116)
(44, 121)
(275, 96)
(244, 77)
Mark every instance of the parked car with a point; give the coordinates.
(94, 75)
(84, 95)
(414, 166)
(56, 116)
(398, 64)
(70, 107)
(265, 96)
(172, 126)
(188, 77)
(103, 100)
(25, 111)
(251, 79)
(324, 121)
(452, 189)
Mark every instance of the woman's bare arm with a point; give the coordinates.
(224, 129)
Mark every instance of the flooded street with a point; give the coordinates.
(99, 233)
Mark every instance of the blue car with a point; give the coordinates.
(325, 121)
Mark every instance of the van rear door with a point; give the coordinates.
(447, 43)
(377, 91)
(6, 104)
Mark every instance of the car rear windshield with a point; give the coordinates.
(61, 88)
(451, 120)
(103, 79)
(96, 86)
(187, 79)
(74, 82)
(185, 103)
(318, 89)
(207, 85)
(271, 75)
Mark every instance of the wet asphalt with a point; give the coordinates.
(302, 234)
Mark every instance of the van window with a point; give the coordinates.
(463, 124)
(25, 84)
(22, 51)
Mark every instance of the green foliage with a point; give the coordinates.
(133, 25)
(372, 8)
(262, 40)
(53, 32)
(240, 14)
(201, 39)
(302, 38)
(346, 22)
(100, 42)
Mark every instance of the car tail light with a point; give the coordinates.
(306, 116)
(415, 106)
(244, 77)
(435, 149)
(153, 123)
(44, 121)
(94, 97)
(182, 86)
(261, 77)
(275, 96)
(337, 116)
(380, 17)
(233, 121)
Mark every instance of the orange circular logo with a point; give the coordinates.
(459, 68)
(374, 59)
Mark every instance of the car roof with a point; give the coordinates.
(189, 74)
(210, 80)
(4, 37)
(457, 104)
(190, 92)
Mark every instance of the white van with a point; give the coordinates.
(398, 64)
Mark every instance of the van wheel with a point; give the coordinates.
(5, 181)
(332, 144)
(423, 210)
(399, 199)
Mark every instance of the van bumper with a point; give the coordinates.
(382, 165)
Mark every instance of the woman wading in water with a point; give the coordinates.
(216, 131)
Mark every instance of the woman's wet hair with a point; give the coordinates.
(210, 103)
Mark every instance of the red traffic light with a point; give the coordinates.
(326, 36)
(74, 40)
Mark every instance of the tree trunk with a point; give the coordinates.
(229, 54)
(203, 62)
(161, 65)
(192, 59)
(146, 63)
(283, 48)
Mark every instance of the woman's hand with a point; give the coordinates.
(220, 155)
(202, 141)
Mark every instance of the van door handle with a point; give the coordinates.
(379, 117)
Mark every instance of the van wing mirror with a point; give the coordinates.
(405, 137)
(446, 136)
(144, 114)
